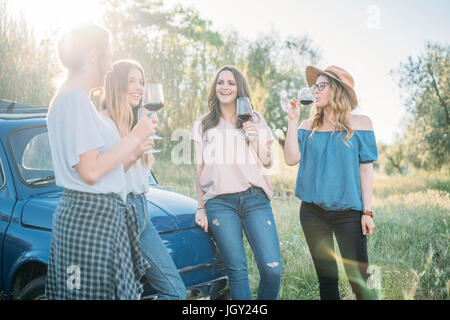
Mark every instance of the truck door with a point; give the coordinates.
(7, 201)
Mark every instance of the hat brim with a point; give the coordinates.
(312, 73)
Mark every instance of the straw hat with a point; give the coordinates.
(338, 74)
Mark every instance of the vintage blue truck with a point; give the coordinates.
(29, 196)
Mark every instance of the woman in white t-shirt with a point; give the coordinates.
(94, 252)
(121, 104)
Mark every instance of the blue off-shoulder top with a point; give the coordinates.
(328, 175)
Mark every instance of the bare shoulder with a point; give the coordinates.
(360, 122)
(305, 125)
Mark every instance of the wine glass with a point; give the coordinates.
(244, 111)
(305, 96)
(285, 104)
(152, 101)
(154, 136)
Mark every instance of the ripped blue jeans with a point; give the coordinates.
(163, 275)
(249, 211)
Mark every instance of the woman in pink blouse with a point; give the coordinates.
(233, 186)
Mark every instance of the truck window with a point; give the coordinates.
(31, 152)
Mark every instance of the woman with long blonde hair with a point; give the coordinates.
(122, 104)
(335, 149)
(94, 252)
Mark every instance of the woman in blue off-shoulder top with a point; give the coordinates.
(335, 149)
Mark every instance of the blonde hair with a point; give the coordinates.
(115, 99)
(74, 45)
(341, 106)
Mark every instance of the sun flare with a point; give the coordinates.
(58, 14)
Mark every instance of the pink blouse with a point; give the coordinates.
(230, 164)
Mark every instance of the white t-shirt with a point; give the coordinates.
(136, 176)
(75, 127)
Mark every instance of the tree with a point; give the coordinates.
(275, 69)
(427, 85)
(180, 50)
(393, 158)
(27, 65)
(176, 48)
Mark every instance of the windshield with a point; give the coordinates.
(31, 153)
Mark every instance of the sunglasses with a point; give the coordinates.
(320, 86)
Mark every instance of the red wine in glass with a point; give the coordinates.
(153, 99)
(305, 102)
(153, 106)
(244, 111)
(244, 117)
(305, 96)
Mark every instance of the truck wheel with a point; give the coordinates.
(223, 295)
(34, 290)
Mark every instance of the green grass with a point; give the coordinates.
(409, 246)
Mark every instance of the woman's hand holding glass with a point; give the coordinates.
(292, 109)
(154, 116)
(144, 128)
(244, 112)
(145, 146)
(250, 131)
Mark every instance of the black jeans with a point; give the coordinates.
(319, 226)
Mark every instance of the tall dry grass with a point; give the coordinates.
(409, 246)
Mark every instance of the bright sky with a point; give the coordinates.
(367, 38)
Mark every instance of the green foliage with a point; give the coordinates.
(426, 82)
(275, 69)
(392, 159)
(180, 50)
(409, 245)
(26, 64)
(177, 48)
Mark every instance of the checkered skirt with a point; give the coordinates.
(94, 252)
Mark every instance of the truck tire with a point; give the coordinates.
(34, 290)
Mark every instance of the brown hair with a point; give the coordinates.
(211, 119)
(115, 99)
(341, 106)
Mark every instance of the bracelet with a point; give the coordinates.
(201, 208)
(366, 212)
